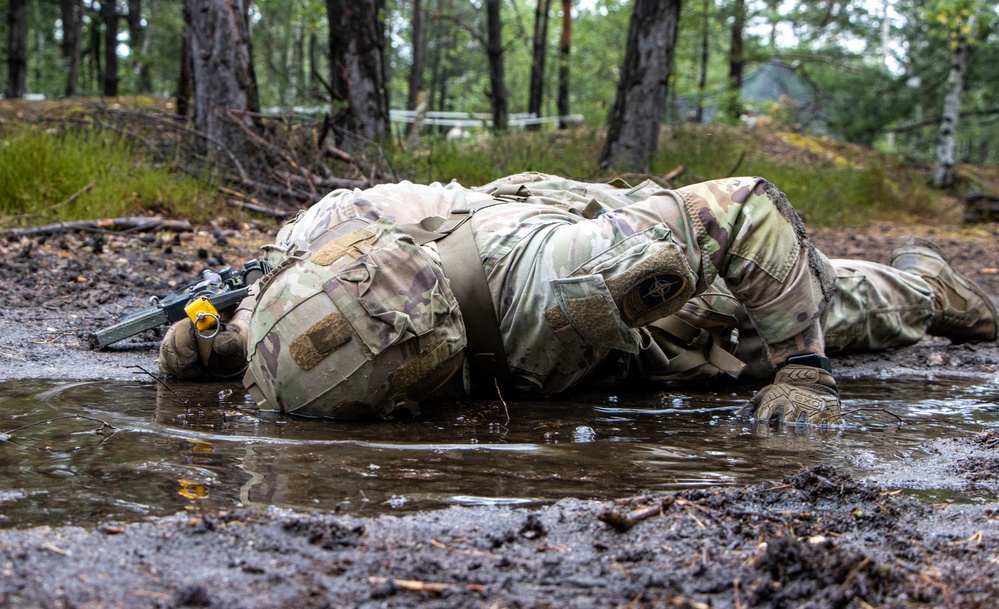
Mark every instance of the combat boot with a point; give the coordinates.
(962, 311)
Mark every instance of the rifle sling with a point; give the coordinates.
(462, 266)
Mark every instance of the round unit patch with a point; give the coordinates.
(651, 292)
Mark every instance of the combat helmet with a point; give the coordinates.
(361, 323)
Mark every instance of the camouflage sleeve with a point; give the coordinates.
(749, 235)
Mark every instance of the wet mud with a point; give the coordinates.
(818, 538)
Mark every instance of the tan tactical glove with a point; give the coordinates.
(799, 394)
(186, 354)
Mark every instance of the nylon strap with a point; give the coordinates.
(462, 266)
(694, 355)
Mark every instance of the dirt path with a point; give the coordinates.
(816, 539)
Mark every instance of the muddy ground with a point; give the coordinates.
(815, 539)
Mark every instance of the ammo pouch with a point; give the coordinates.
(696, 343)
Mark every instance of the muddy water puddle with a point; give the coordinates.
(94, 452)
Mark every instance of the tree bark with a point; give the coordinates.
(17, 48)
(538, 59)
(419, 57)
(94, 63)
(702, 81)
(944, 157)
(137, 42)
(438, 67)
(357, 71)
(109, 15)
(72, 45)
(640, 104)
(185, 84)
(736, 62)
(316, 81)
(225, 85)
(564, 48)
(298, 54)
(494, 51)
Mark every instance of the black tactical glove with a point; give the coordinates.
(799, 394)
(186, 354)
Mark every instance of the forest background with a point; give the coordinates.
(880, 110)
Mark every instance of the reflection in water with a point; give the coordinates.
(81, 453)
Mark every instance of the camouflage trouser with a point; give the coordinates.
(874, 307)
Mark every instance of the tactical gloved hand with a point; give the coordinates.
(186, 354)
(799, 394)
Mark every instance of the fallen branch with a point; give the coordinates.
(502, 401)
(104, 424)
(276, 149)
(336, 153)
(128, 223)
(273, 190)
(846, 412)
(422, 586)
(329, 183)
(738, 163)
(250, 204)
(623, 522)
(74, 196)
(176, 396)
(676, 172)
(443, 546)
(259, 208)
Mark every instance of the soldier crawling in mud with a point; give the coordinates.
(382, 298)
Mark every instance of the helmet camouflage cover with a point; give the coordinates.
(360, 324)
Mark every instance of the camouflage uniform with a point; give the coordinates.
(568, 291)
(874, 307)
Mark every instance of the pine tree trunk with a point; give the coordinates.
(494, 51)
(17, 48)
(438, 61)
(640, 104)
(137, 42)
(538, 59)
(702, 81)
(315, 74)
(357, 71)
(225, 85)
(94, 63)
(72, 20)
(109, 15)
(736, 61)
(564, 47)
(298, 92)
(419, 57)
(185, 84)
(944, 157)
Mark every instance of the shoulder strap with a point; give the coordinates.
(462, 266)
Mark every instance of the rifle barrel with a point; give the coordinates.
(146, 319)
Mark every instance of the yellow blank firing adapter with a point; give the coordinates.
(203, 315)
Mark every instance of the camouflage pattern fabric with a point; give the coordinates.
(585, 277)
(874, 307)
(358, 322)
(569, 291)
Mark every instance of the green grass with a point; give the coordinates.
(834, 184)
(568, 153)
(41, 169)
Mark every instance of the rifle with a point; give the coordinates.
(224, 290)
